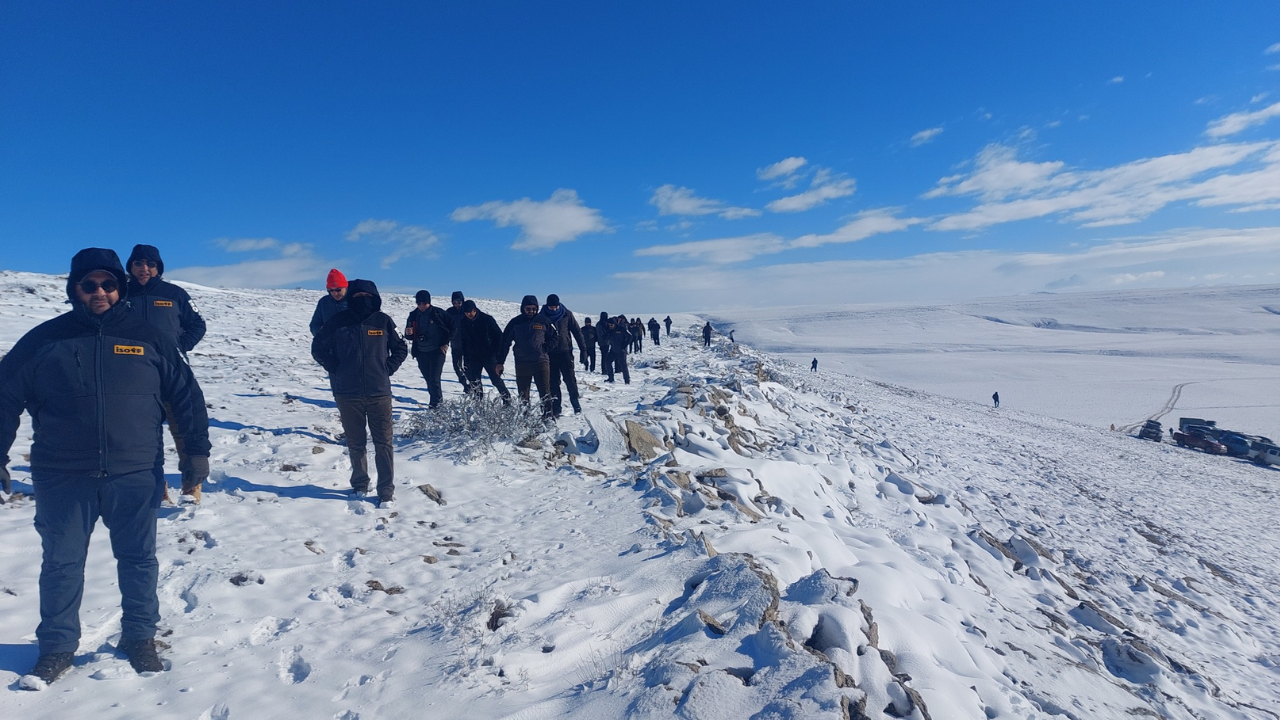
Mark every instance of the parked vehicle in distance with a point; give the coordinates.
(1208, 431)
(1237, 445)
(1151, 430)
(1264, 453)
(1184, 422)
(1200, 441)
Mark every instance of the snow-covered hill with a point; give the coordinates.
(1099, 358)
(729, 536)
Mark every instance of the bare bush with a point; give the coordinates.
(470, 428)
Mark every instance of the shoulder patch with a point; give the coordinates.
(375, 332)
(162, 303)
(129, 350)
(538, 327)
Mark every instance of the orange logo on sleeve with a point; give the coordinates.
(129, 350)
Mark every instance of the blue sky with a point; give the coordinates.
(667, 156)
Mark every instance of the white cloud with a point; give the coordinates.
(1128, 278)
(720, 251)
(824, 186)
(782, 168)
(1013, 190)
(404, 240)
(864, 225)
(296, 264)
(925, 136)
(247, 244)
(1272, 50)
(672, 200)
(1116, 80)
(543, 224)
(1241, 121)
(1258, 98)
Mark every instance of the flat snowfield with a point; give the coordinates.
(1096, 358)
(729, 536)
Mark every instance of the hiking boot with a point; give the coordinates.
(142, 655)
(191, 495)
(360, 492)
(50, 666)
(386, 503)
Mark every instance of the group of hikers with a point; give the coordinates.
(100, 381)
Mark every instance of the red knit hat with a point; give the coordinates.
(336, 279)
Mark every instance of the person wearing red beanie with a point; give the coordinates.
(334, 301)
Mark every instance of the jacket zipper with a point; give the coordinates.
(102, 405)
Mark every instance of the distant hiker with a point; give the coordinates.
(655, 331)
(731, 337)
(562, 333)
(603, 339)
(636, 328)
(526, 334)
(455, 343)
(706, 334)
(481, 343)
(813, 366)
(995, 398)
(93, 380)
(430, 330)
(361, 350)
(617, 331)
(667, 321)
(334, 301)
(588, 356)
(169, 309)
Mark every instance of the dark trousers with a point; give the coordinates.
(668, 329)
(538, 374)
(475, 389)
(459, 366)
(706, 341)
(376, 411)
(562, 369)
(654, 335)
(617, 362)
(589, 357)
(67, 508)
(431, 364)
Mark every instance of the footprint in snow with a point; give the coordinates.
(293, 668)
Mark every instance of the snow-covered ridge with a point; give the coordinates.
(729, 536)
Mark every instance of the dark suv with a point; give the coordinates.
(1151, 430)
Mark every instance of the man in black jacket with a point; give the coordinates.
(431, 330)
(617, 332)
(169, 309)
(655, 331)
(455, 342)
(361, 350)
(481, 343)
(560, 353)
(706, 334)
(94, 381)
(526, 332)
(667, 321)
(603, 338)
(334, 301)
(589, 347)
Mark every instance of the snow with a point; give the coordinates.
(799, 545)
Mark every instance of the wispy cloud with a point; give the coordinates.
(785, 169)
(1014, 190)
(1241, 121)
(543, 224)
(825, 186)
(1272, 50)
(1127, 278)
(672, 200)
(863, 225)
(403, 240)
(295, 264)
(246, 244)
(925, 136)
(1116, 80)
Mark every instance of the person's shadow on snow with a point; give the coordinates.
(18, 658)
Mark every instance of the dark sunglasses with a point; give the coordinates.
(148, 263)
(89, 287)
(336, 289)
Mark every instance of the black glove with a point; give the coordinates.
(199, 467)
(5, 481)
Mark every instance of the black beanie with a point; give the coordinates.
(90, 259)
(469, 305)
(423, 297)
(457, 296)
(529, 300)
(147, 252)
(553, 299)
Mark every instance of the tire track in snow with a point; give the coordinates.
(1167, 408)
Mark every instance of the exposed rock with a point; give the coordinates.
(642, 442)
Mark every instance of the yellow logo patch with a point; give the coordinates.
(375, 332)
(129, 350)
(163, 303)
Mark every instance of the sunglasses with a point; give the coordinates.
(89, 287)
(336, 289)
(148, 263)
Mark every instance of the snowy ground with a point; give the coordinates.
(1095, 358)
(729, 536)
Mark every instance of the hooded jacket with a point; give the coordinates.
(163, 304)
(430, 330)
(526, 333)
(481, 340)
(360, 352)
(589, 337)
(617, 333)
(95, 387)
(566, 327)
(455, 314)
(654, 327)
